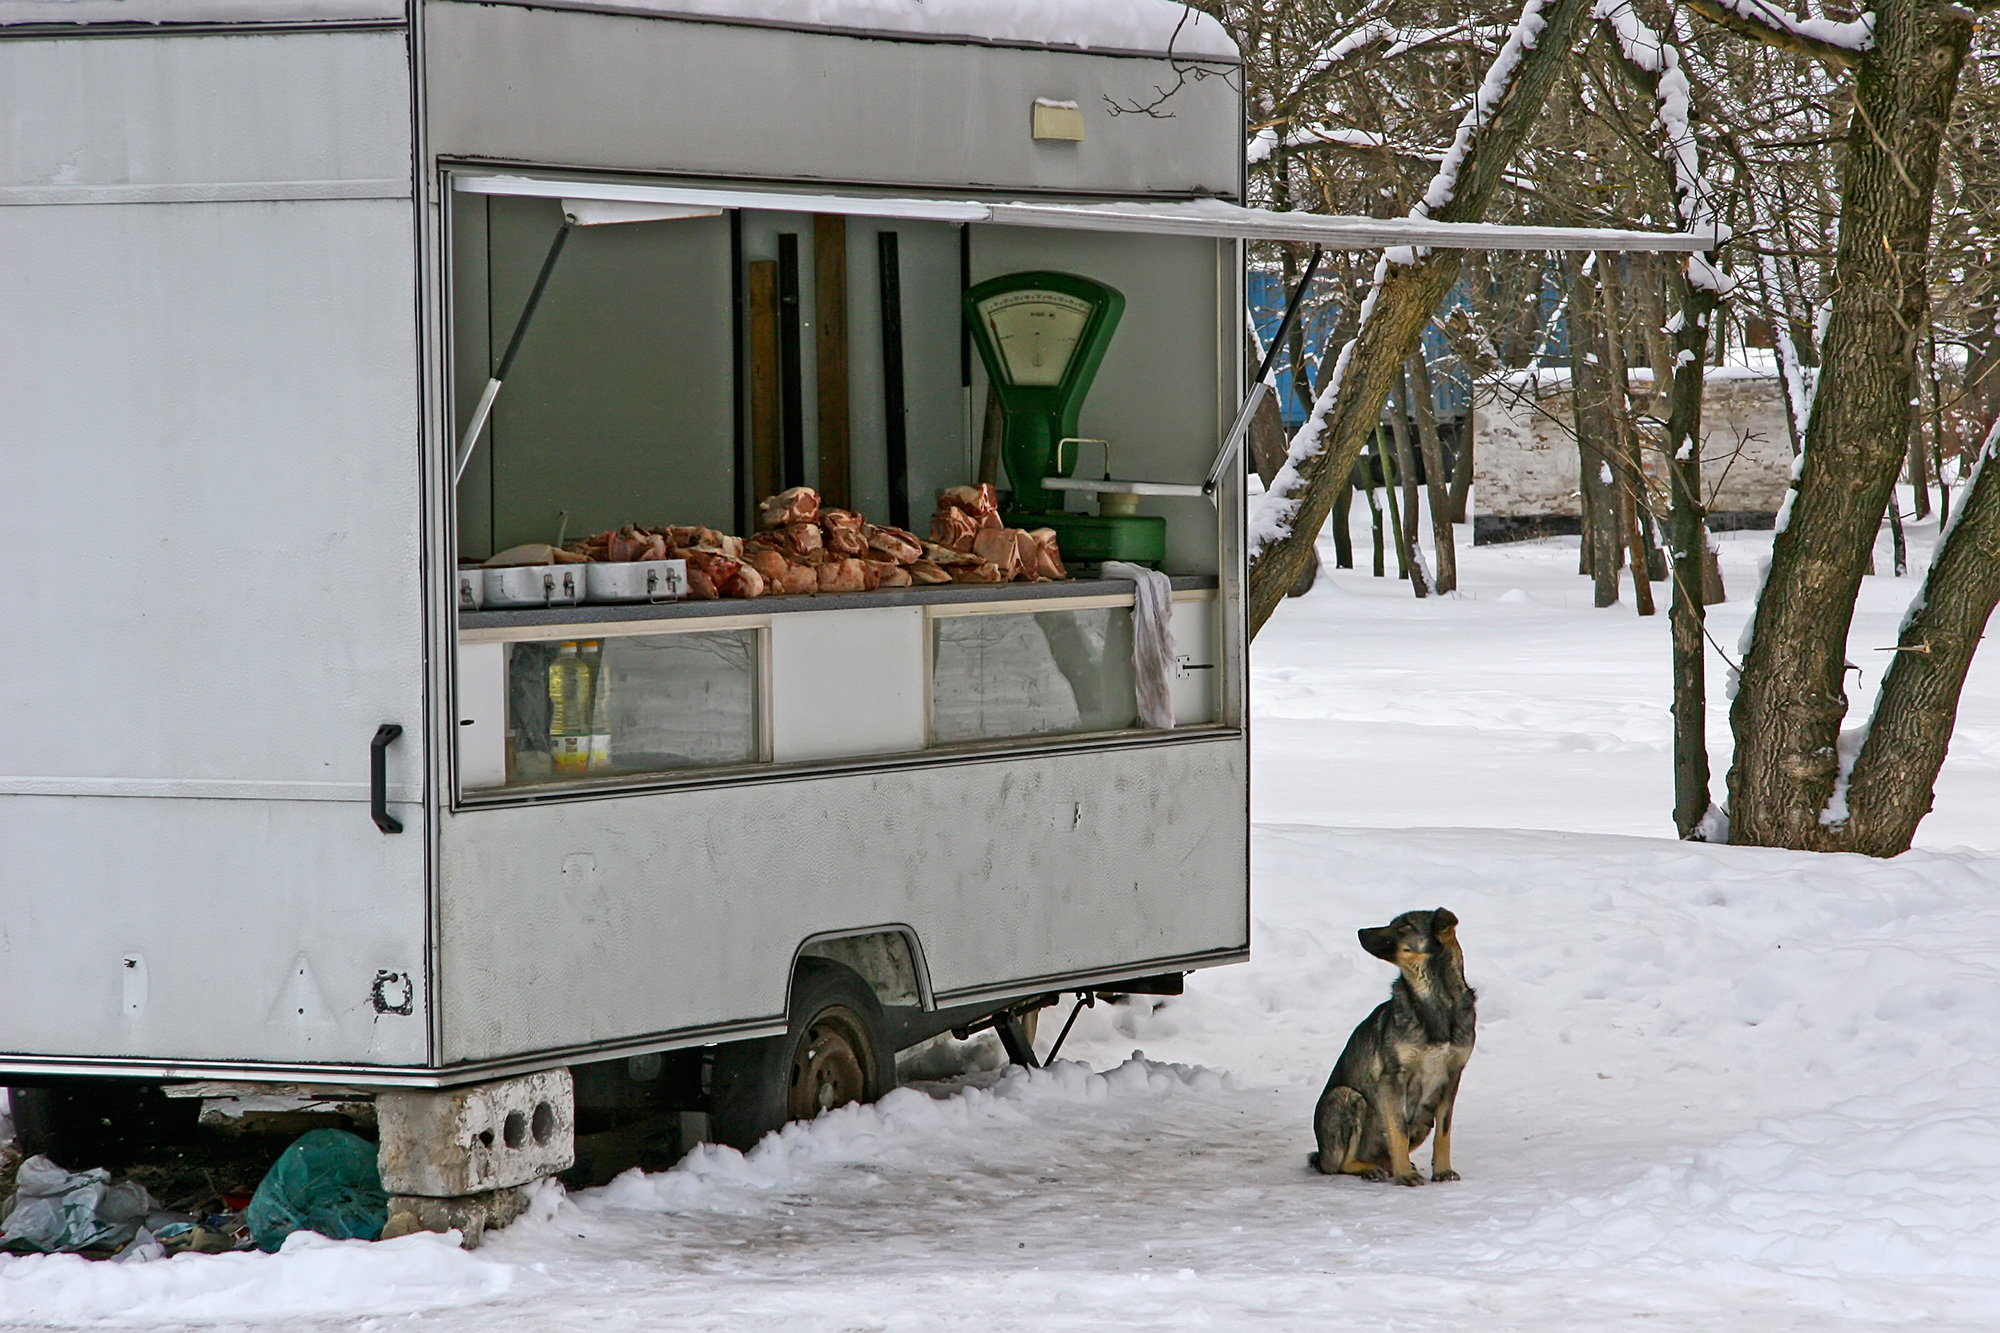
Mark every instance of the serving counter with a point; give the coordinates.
(705, 690)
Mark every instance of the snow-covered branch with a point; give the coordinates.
(1267, 141)
(1660, 61)
(1399, 39)
(1822, 39)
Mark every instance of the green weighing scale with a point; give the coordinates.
(1042, 337)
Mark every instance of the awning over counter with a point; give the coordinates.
(1200, 217)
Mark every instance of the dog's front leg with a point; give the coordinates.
(1389, 1105)
(1441, 1145)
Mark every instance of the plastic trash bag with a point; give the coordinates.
(327, 1181)
(58, 1210)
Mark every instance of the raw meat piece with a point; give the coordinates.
(848, 575)
(926, 571)
(953, 528)
(797, 580)
(888, 574)
(893, 544)
(743, 581)
(794, 539)
(977, 500)
(948, 556)
(656, 548)
(1048, 559)
(983, 572)
(625, 544)
(562, 555)
(720, 571)
(998, 548)
(532, 553)
(1028, 553)
(771, 564)
(798, 505)
(701, 587)
(842, 530)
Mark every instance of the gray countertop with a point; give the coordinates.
(938, 595)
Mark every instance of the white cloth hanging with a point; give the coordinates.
(1152, 640)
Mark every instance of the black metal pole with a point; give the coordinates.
(1291, 317)
(894, 424)
(534, 299)
(740, 434)
(791, 375)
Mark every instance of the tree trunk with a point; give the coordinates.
(1267, 432)
(1407, 549)
(1461, 462)
(1691, 559)
(1374, 518)
(1631, 478)
(1427, 439)
(1401, 301)
(1267, 455)
(1889, 791)
(1898, 547)
(1386, 456)
(1590, 397)
(1343, 534)
(1791, 696)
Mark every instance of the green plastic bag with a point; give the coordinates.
(328, 1182)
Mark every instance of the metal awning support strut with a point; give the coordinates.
(492, 390)
(587, 211)
(1260, 390)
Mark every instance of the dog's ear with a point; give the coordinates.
(1441, 921)
(1380, 941)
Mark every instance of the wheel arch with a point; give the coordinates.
(890, 958)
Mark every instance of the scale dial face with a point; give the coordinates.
(1036, 332)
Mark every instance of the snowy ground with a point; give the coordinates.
(1715, 1087)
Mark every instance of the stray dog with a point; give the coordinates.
(1399, 1074)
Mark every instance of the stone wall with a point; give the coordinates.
(1525, 456)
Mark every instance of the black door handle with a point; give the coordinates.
(378, 778)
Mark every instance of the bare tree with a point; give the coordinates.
(1787, 783)
(1406, 288)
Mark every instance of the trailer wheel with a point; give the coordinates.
(835, 1051)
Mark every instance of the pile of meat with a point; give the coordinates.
(966, 528)
(801, 547)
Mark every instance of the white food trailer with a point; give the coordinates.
(276, 806)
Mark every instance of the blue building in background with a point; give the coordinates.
(1451, 384)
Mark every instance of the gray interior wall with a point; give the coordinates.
(617, 409)
(622, 93)
(934, 399)
(1158, 395)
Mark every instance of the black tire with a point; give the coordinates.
(835, 1050)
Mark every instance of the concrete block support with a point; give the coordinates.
(453, 1142)
(471, 1215)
